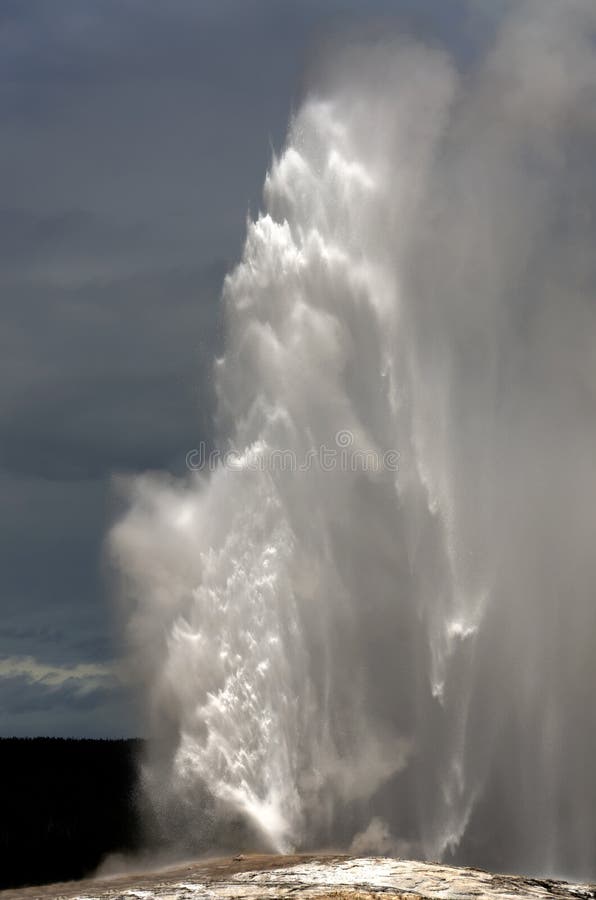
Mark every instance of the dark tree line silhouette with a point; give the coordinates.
(65, 805)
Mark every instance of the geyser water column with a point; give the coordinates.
(374, 621)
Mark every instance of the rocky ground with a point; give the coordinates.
(256, 877)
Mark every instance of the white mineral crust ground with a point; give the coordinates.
(254, 877)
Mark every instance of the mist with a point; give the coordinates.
(370, 622)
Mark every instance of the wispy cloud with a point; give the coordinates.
(83, 677)
(83, 699)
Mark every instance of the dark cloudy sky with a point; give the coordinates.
(135, 135)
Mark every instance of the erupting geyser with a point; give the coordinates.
(374, 625)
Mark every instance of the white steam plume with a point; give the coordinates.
(320, 645)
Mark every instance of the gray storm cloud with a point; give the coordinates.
(332, 652)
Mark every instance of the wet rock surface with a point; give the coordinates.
(254, 877)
